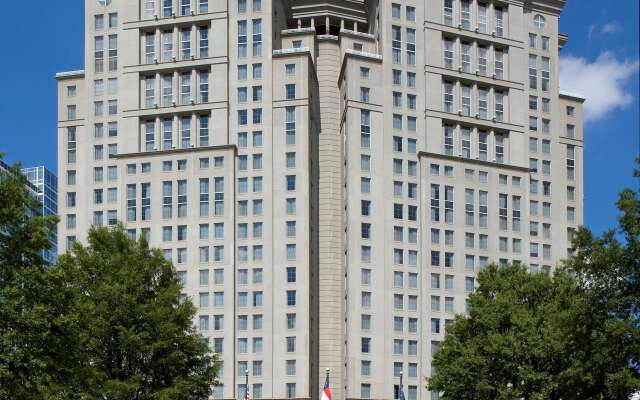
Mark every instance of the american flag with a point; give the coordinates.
(400, 393)
(246, 393)
(326, 392)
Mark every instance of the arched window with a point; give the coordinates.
(539, 21)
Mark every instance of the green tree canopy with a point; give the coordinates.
(107, 322)
(573, 335)
(136, 338)
(31, 318)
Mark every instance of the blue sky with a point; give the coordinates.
(600, 61)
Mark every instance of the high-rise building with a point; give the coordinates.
(45, 184)
(42, 185)
(328, 177)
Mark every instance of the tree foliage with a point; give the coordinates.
(136, 337)
(107, 322)
(575, 335)
(31, 321)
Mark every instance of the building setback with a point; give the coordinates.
(328, 177)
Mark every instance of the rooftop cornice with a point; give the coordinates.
(355, 10)
(70, 74)
(554, 7)
(572, 96)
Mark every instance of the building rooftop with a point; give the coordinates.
(573, 96)
(70, 74)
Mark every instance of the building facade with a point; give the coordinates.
(42, 185)
(45, 184)
(327, 177)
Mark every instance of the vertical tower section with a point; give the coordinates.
(331, 204)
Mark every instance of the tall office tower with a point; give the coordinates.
(328, 177)
(42, 185)
(45, 184)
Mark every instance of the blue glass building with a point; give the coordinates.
(45, 184)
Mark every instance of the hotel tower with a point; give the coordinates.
(328, 177)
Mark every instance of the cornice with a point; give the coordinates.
(160, 153)
(554, 7)
(424, 154)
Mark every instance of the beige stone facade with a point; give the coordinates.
(327, 177)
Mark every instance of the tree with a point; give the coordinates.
(606, 347)
(509, 345)
(32, 322)
(575, 335)
(136, 338)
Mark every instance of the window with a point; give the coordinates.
(113, 53)
(182, 198)
(203, 32)
(465, 99)
(203, 6)
(502, 211)
(411, 46)
(466, 57)
(465, 137)
(482, 60)
(448, 139)
(290, 90)
(185, 132)
(149, 92)
(570, 155)
(499, 64)
(98, 55)
(545, 70)
(98, 22)
(185, 88)
(532, 40)
(242, 39)
(482, 18)
(465, 14)
(533, 71)
(396, 44)
(469, 284)
(185, 7)
(411, 13)
(448, 53)
(448, 204)
(257, 37)
(448, 12)
(539, 21)
(469, 206)
(499, 139)
(499, 21)
(290, 125)
(448, 96)
(113, 20)
(395, 10)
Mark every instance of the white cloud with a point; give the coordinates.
(603, 82)
(611, 27)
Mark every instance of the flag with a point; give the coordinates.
(246, 393)
(400, 393)
(326, 392)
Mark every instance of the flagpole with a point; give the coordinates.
(246, 384)
(327, 374)
(400, 379)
